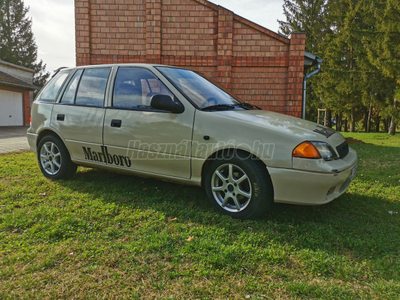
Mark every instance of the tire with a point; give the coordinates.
(54, 159)
(239, 186)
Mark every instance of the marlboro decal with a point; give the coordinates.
(105, 157)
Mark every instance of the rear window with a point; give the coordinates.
(51, 91)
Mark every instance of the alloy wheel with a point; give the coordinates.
(231, 187)
(50, 158)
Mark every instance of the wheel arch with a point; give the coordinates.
(46, 132)
(55, 162)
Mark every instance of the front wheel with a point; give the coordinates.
(239, 186)
(54, 159)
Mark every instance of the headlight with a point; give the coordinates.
(315, 150)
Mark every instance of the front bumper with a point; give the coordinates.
(309, 188)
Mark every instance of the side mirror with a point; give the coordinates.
(165, 102)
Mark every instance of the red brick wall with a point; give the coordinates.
(26, 102)
(258, 65)
(27, 107)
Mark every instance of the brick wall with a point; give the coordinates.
(258, 65)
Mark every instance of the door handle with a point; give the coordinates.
(60, 117)
(116, 123)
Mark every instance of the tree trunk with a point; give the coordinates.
(339, 122)
(345, 125)
(368, 127)
(386, 124)
(392, 127)
(365, 121)
(353, 120)
(328, 122)
(377, 122)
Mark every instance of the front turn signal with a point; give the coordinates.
(306, 150)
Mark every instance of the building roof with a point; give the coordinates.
(14, 66)
(8, 80)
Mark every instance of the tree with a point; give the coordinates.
(383, 48)
(359, 41)
(311, 17)
(17, 43)
(344, 82)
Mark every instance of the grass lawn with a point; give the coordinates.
(103, 235)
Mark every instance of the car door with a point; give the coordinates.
(79, 115)
(140, 137)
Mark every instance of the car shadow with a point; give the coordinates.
(355, 225)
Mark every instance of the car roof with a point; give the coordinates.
(143, 65)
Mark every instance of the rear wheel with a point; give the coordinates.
(239, 186)
(54, 159)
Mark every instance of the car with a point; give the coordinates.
(174, 124)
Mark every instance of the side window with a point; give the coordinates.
(134, 88)
(70, 91)
(52, 89)
(92, 87)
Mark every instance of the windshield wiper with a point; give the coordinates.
(247, 105)
(219, 107)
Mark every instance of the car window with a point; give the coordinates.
(52, 89)
(92, 87)
(134, 87)
(70, 91)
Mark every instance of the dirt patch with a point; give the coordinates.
(350, 140)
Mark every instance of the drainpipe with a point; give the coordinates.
(319, 61)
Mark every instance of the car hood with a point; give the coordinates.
(286, 125)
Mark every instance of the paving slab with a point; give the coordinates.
(13, 139)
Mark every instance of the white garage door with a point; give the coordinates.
(11, 108)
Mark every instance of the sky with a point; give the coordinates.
(53, 25)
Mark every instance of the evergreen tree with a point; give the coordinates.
(311, 17)
(383, 48)
(359, 41)
(342, 83)
(17, 43)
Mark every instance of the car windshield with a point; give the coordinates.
(199, 90)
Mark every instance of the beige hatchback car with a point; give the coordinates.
(174, 124)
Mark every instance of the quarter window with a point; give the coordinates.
(69, 94)
(92, 87)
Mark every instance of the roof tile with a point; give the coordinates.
(8, 80)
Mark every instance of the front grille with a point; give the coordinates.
(343, 149)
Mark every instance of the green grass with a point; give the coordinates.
(103, 235)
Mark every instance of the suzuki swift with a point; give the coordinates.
(174, 124)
